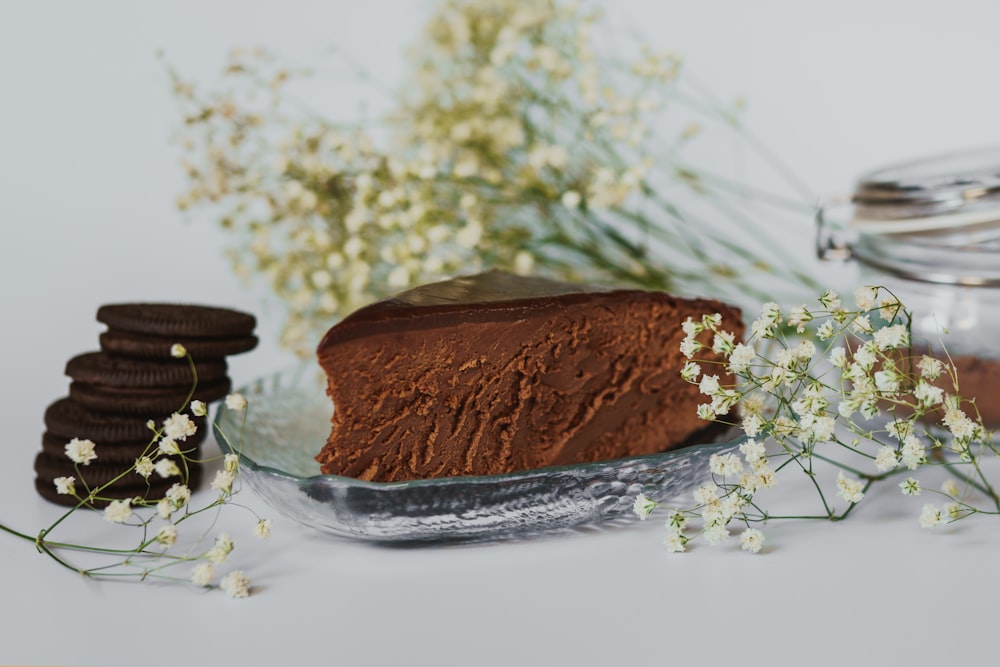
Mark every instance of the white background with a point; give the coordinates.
(87, 182)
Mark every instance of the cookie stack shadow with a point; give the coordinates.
(135, 380)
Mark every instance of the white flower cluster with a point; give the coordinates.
(513, 146)
(162, 456)
(883, 403)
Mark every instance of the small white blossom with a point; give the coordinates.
(689, 346)
(753, 451)
(231, 462)
(865, 297)
(706, 412)
(798, 317)
(236, 584)
(198, 408)
(262, 529)
(830, 300)
(179, 426)
(715, 534)
(81, 451)
(706, 494)
(178, 495)
(930, 516)
(910, 487)
(691, 371)
(751, 540)
(643, 506)
(849, 489)
(928, 394)
(725, 464)
(221, 549)
(236, 401)
(675, 542)
(913, 453)
(168, 446)
(144, 466)
(752, 424)
(950, 488)
(825, 331)
(164, 508)
(886, 458)
(742, 355)
(202, 574)
(167, 535)
(177, 350)
(223, 481)
(888, 338)
(65, 486)
(709, 385)
(722, 342)
(118, 511)
(930, 368)
(167, 468)
(676, 521)
(838, 357)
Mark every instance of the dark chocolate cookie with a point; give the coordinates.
(165, 319)
(116, 452)
(49, 467)
(155, 490)
(69, 419)
(147, 346)
(104, 369)
(142, 401)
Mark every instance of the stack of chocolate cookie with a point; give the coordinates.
(136, 378)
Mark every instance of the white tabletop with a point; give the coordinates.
(87, 178)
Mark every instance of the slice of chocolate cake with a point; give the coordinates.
(496, 373)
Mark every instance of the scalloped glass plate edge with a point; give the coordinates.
(288, 421)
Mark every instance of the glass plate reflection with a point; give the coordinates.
(289, 420)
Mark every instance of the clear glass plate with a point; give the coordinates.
(288, 422)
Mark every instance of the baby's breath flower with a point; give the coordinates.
(165, 508)
(168, 446)
(830, 300)
(198, 408)
(709, 385)
(725, 464)
(177, 350)
(178, 495)
(691, 371)
(223, 481)
(849, 489)
(865, 297)
(675, 542)
(930, 516)
(722, 342)
(221, 549)
(262, 529)
(927, 394)
(676, 521)
(740, 358)
(236, 401)
(753, 451)
(912, 454)
(886, 459)
(930, 368)
(236, 584)
(643, 506)
(910, 487)
(798, 317)
(81, 451)
(715, 534)
(202, 574)
(706, 494)
(752, 424)
(838, 357)
(65, 486)
(231, 462)
(179, 426)
(167, 468)
(118, 511)
(825, 331)
(689, 346)
(892, 337)
(144, 466)
(950, 488)
(751, 540)
(167, 535)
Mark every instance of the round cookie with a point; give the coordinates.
(96, 474)
(164, 319)
(117, 452)
(143, 400)
(147, 346)
(154, 491)
(100, 368)
(69, 419)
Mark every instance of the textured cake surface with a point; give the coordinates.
(496, 373)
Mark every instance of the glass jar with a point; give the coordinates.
(929, 230)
